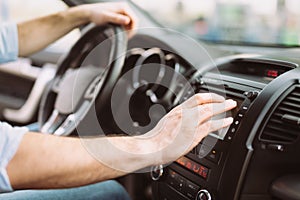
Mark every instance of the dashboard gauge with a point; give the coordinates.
(131, 58)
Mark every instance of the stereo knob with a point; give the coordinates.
(157, 172)
(203, 195)
(197, 84)
(251, 95)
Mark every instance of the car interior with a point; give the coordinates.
(85, 85)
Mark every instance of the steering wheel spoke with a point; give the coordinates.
(53, 122)
(69, 124)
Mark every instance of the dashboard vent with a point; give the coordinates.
(283, 126)
(220, 89)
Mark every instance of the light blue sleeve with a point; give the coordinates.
(9, 47)
(10, 138)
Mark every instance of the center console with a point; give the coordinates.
(201, 174)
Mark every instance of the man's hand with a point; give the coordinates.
(36, 34)
(117, 13)
(175, 135)
(187, 124)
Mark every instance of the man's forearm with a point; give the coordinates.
(36, 34)
(45, 161)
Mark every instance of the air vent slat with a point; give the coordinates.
(280, 130)
(296, 94)
(282, 126)
(230, 92)
(294, 99)
(293, 105)
(275, 136)
(285, 110)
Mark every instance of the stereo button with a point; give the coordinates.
(191, 189)
(181, 183)
(252, 95)
(240, 115)
(232, 130)
(214, 156)
(245, 108)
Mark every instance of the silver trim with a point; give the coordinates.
(45, 128)
(159, 169)
(72, 120)
(205, 192)
(21, 68)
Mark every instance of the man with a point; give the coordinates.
(38, 161)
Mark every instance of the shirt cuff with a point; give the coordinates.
(12, 137)
(9, 42)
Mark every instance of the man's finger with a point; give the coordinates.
(213, 125)
(204, 112)
(117, 18)
(202, 98)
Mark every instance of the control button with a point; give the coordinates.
(236, 122)
(240, 115)
(232, 130)
(214, 156)
(191, 189)
(181, 183)
(275, 147)
(172, 179)
(203, 195)
(176, 181)
(245, 107)
(251, 95)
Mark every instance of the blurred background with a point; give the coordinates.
(266, 22)
(258, 22)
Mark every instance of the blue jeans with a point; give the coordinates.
(108, 190)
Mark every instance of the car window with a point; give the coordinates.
(22, 10)
(267, 22)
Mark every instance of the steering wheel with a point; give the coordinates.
(78, 88)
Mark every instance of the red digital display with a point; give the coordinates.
(195, 167)
(272, 73)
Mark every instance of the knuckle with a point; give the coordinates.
(206, 110)
(207, 126)
(199, 98)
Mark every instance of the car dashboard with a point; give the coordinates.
(245, 160)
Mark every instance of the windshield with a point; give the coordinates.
(256, 22)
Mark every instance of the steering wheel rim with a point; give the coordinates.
(53, 118)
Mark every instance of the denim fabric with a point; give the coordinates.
(107, 190)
